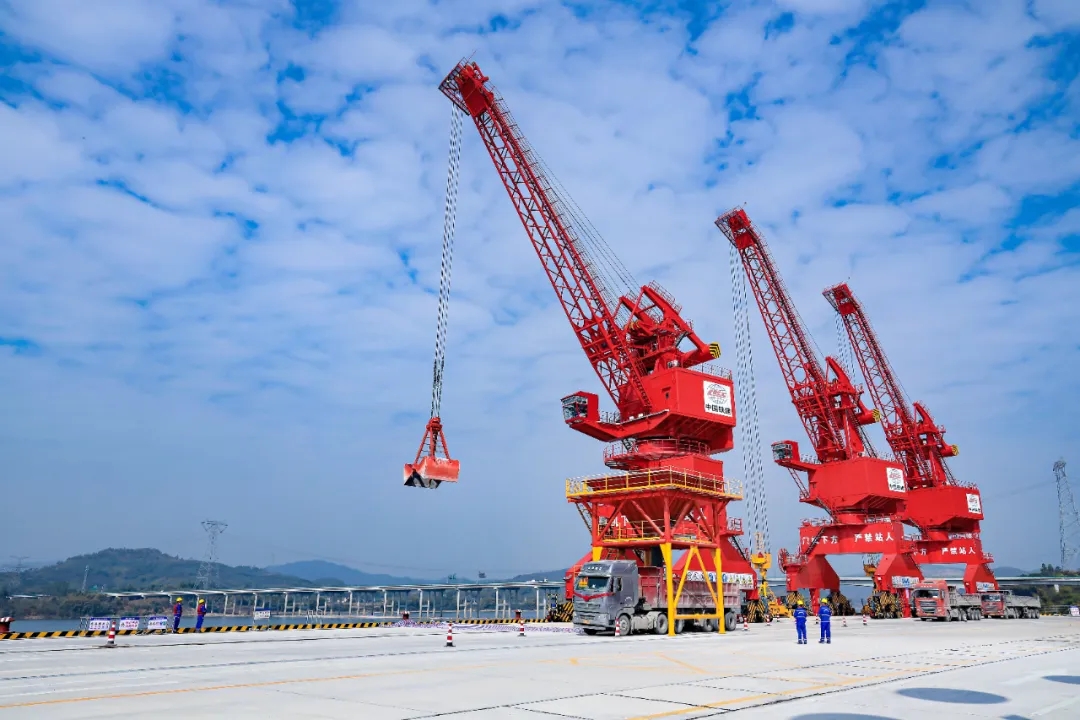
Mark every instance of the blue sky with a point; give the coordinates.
(221, 242)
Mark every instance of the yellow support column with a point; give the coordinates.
(596, 553)
(665, 549)
(719, 590)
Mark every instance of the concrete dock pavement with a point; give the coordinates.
(890, 669)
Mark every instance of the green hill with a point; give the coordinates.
(118, 570)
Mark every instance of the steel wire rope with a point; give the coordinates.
(590, 235)
(453, 177)
(749, 428)
(583, 234)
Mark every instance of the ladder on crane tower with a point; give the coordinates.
(433, 465)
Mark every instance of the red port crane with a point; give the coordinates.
(674, 411)
(946, 512)
(864, 495)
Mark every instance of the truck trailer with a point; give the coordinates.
(1007, 605)
(937, 600)
(634, 597)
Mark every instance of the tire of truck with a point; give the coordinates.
(660, 626)
(623, 622)
(711, 625)
(680, 627)
(729, 621)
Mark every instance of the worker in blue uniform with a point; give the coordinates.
(178, 610)
(800, 621)
(200, 612)
(825, 615)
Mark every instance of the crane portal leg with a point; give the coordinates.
(665, 548)
(720, 615)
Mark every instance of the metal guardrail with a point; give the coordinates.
(641, 481)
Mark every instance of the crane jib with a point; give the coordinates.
(570, 269)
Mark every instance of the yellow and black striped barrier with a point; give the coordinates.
(242, 628)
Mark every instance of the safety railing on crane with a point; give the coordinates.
(646, 531)
(636, 530)
(646, 480)
(714, 369)
(667, 447)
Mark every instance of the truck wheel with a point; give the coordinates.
(680, 627)
(729, 621)
(710, 625)
(623, 622)
(660, 627)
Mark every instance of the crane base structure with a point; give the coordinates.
(649, 515)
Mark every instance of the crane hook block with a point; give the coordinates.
(433, 465)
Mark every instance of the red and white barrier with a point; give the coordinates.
(521, 629)
(450, 635)
(111, 642)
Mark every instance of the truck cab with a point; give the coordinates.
(610, 593)
(602, 591)
(937, 600)
(1008, 605)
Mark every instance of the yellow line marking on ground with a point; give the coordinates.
(236, 686)
(686, 665)
(760, 696)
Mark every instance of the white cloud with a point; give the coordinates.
(263, 324)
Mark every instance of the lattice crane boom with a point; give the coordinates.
(892, 409)
(582, 291)
(829, 409)
(916, 440)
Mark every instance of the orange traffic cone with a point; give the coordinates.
(111, 642)
(864, 619)
(745, 623)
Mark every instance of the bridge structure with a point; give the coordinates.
(376, 601)
(390, 602)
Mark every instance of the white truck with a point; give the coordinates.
(620, 592)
